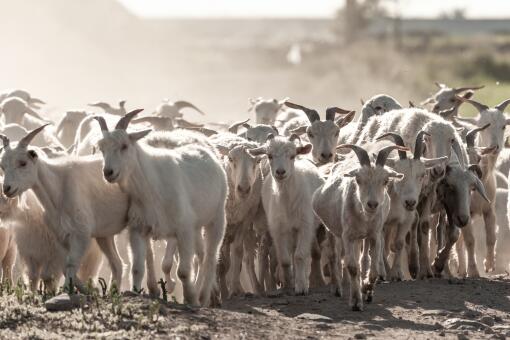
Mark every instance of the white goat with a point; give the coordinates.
(16, 110)
(68, 126)
(173, 194)
(354, 204)
(287, 199)
(446, 98)
(78, 205)
(23, 94)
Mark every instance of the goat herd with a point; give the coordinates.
(296, 200)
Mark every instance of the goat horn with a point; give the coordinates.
(5, 141)
(479, 106)
(361, 153)
(331, 111)
(383, 154)
(398, 141)
(25, 141)
(233, 128)
(124, 121)
(311, 114)
(471, 135)
(502, 106)
(467, 88)
(439, 85)
(102, 123)
(418, 144)
(181, 104)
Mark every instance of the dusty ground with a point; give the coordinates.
(422, 309)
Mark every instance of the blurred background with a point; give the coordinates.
(217, 54)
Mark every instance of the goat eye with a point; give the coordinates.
(22, 164)
(124, 147)
(336, 134)
(452, 100)
(386, 181)
(293, 156)
(230, 160)
(503, 128)
(270, 156)
(310, 135)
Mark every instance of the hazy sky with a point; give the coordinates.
(306, 8)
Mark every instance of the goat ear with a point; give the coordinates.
(351, 173)
(134, 136)
(341, 122)
(433, 162)
(303, 150)
(32, 154)
(394, 174)
(257, 151)
(391, 162)
(223, 150)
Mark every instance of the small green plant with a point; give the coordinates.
(19, 290)
(162, 283)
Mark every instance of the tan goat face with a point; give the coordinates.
(242, 169)
(323, 136)
(372, 183)
(494, 135)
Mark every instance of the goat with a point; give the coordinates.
(287, 200)
(173, 193)
(353, 204)
(78, 205)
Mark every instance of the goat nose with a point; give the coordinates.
(107, 172)
(326, 155)
(463, 220)
(280, 172)
(372, 204)
(7, 188)
(244, 190)
(437, 171)
(410, 203)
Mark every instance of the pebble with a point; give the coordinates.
(63, 302)
(314, 317)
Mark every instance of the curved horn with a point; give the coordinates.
(185, 123)
(382, 156)
(467, 88)
(102, 123)
(25, 141)
(439, 85)
(331, 111)
(502, 106)
(398, 141)
(124, 121)
(479, 106)
(418, 144)
(36, 101)
(34, 114)
(5, 140)
(480, 187)
(233, 128)
(311, 114)
(471, 135)
(361, 153)
(181, 104)
(411, 104)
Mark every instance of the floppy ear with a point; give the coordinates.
(257, 151)
(32, 154)
(302, 150)
(433, 162)
(134, 136)
(351, 173)
(391, 162)
(300, 130)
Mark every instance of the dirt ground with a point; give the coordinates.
(433, 309)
